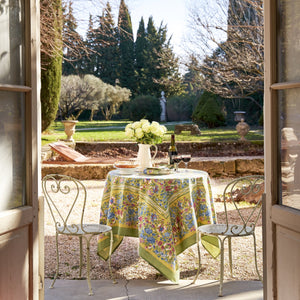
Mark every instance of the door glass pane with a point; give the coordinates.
(289, 41)
(12, 150)
(289, 131)
(12, 42)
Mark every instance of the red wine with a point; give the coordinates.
(186, 158)
(177, 159)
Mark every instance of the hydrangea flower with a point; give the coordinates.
(145, 132)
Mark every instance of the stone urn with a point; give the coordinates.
(69, 129)
(242, 129)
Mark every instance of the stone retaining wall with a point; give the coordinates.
(199, 149)
(219, 167)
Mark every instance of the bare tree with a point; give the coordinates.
(227, 39)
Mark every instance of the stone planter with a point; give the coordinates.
(242, 129)
(69, 129)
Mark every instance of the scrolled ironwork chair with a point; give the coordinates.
(250, 189)
(70, 220)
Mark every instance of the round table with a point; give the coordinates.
(163, 211)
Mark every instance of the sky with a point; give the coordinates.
(172, 13)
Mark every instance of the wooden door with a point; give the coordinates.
(282, 149)
(19, 144)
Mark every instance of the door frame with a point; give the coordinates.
(275, 215)
(27, 217)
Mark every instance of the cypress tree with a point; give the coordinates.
(90, 57)
(126, 48)
(52, 69)
(141, 57)
(161, 68)
(107, 47)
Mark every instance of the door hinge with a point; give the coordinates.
(41, 283)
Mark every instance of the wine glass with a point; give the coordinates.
(186, 158)
(177, 160)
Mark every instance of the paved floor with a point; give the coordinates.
(148, 290)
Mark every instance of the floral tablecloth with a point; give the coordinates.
(162, 211)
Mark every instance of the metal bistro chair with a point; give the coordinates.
(70, 221)
(250, 189)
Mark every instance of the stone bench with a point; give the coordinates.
(193, 128)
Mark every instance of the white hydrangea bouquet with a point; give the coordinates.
(145, 132)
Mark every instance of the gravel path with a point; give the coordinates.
(126, 262)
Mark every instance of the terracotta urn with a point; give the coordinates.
(242, 129)
(69, 129)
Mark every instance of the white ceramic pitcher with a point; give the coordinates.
(144, 158)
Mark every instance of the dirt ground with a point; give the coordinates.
(126, 262)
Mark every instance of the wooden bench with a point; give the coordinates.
(193, 128)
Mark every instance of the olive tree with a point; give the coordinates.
(90, 93)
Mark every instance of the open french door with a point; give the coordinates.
(282, 149)
(19, 150)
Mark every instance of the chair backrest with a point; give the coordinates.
(66, 199)
(244, 189)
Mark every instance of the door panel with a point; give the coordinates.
(14, 261)
(288, 262)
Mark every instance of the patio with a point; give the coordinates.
(136, 278)
(153, 290)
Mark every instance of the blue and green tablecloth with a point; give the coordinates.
(162, 211)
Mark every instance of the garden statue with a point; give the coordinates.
(163, 115)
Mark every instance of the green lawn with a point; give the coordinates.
(114, 131)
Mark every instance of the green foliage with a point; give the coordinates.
(126, 48)
(144, 107)
(51, 72)
(180, 108)
(147, 66)
(106, 48)
(157, 67)
(208, 111)
(91, 93)
(50, 90)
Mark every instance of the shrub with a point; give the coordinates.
(144, 107)
(180, 108)
(209, 111)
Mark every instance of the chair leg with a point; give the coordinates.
(230, 254)
(109, 258)
(199, 257)
(80, 261)
(57, 263)
(255, 256)
(221, 267)
(88, 265)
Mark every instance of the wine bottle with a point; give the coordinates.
(172, 150)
